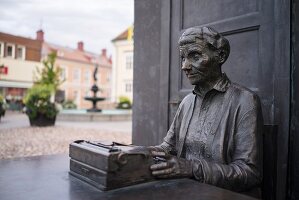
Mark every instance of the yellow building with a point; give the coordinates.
(122, 70)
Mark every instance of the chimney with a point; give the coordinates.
(104, 52)
(110, 59)
(80, 46)
(40, 35)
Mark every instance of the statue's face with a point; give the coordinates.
(199, 62)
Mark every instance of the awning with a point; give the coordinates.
(14, 84)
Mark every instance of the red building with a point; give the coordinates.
(19, 57)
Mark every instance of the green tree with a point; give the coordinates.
(49, 75)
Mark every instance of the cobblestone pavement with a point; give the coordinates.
(18, 139)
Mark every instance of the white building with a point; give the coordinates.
(122, 69)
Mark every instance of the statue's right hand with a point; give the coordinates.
(155, 149)
(171, 166)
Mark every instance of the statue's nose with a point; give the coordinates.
(186, 65)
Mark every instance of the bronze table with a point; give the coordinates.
(47, 178)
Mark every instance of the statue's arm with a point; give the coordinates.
(245, 169)
(170, 140)
(169, 143)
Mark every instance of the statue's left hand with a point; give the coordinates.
(172, 166)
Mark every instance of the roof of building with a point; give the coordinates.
(126, 35)
(76, 54)
(20, 40)
(63, 52)
(17, 37)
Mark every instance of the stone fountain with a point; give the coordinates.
(94, 99)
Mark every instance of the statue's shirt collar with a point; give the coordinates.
(221, 85)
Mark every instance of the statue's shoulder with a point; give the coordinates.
(244, 95)
(187, 100)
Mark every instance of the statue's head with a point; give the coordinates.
(203, 50)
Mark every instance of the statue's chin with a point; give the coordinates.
(196, 79)
(195, 82)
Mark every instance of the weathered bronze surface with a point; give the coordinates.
(110, 165)
(216, 134)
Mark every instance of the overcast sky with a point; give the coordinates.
(65, 22)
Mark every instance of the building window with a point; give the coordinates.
(21, 52)
(76, 75)
(129, 60)
(66, 93)
(99, 76)
(1, 49)
(10, 50)
(86, 93)
(128, 87)
(63, 74)
(60, 53)
(76, 97)
(108, 78)
(87, 76)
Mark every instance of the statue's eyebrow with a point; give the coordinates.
(194, 50)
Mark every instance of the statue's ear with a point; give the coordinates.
(222, 56)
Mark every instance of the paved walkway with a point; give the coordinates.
(18, 139)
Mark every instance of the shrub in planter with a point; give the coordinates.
(3, 106)
(39, 101)
(40, 109)
(69, 104)
(124, 103)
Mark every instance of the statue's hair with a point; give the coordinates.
(207, 34)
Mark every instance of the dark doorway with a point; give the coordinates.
(259, 33)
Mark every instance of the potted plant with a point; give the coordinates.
(40, 108)
(39, 100)
(124, 103)
(3, 106)
(69, 104)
